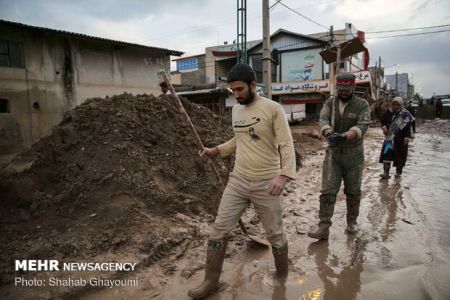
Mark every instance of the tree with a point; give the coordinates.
(418, 98)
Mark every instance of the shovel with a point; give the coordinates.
(164, 76)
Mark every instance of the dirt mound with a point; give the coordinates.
(112, 166)
(122, 145)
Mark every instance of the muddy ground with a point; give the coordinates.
(119, 179)
(400, 252)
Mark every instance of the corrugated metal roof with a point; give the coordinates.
(289, 41)
(85, 36)
(187, 57)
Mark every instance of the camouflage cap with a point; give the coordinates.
(345, 81)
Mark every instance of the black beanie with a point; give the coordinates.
(241, 72)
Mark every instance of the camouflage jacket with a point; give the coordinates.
(355, 116)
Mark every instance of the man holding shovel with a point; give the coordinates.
(265, 161)
(344, 159)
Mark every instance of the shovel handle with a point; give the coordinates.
(164, 76)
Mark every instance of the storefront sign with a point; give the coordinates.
(362, 76)
(300, 87)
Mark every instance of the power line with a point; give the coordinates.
(303, 16)
(378, 37)
(409, 29)
(273, 5)
(389, 36)
(394, 30)
(400, 35)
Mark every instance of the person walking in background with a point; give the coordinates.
(412, 111)
(396, 126)
(438, 107)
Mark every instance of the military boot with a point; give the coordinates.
(352, 212)
(280, 256)
(214, 262)
(322, 231)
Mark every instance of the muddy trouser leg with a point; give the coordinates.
(331, 182)
(386, 167)
(352, 175)
(270, 210)
(235, 200)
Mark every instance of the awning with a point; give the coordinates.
(224, 53)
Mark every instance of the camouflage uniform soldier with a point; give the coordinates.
(344, 159)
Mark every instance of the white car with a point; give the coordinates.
(445, 102)
(294, 112)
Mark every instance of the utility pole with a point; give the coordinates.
(241, 38)
(331, 66)
(333, 75)
(267, 61)
(336, 66)
(379, 74)
(396, 83)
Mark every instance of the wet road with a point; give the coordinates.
(401, 251)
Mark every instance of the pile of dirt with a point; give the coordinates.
(122, 145)
(117, 172)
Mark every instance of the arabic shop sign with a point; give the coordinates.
(300, 87)
(362, 76)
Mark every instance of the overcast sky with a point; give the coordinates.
(192, 25)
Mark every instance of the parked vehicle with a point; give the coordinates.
(294, 112)
(445, 102)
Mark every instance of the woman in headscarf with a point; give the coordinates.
(396, 125)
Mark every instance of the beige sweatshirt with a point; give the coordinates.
(261, 136)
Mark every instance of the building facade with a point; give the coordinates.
(400, 84)
(190, 70)
(45, 72)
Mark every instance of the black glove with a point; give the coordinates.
(335, 138)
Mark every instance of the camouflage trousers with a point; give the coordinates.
(338, 167)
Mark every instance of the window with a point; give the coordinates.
(11, 54)
(187, 65)
(4, 106)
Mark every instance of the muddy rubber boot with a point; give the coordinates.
(351, 228)
(214, 262)
(353, 202)
(280, 256)
(386, 168)
(398, 172)
(322, 230)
